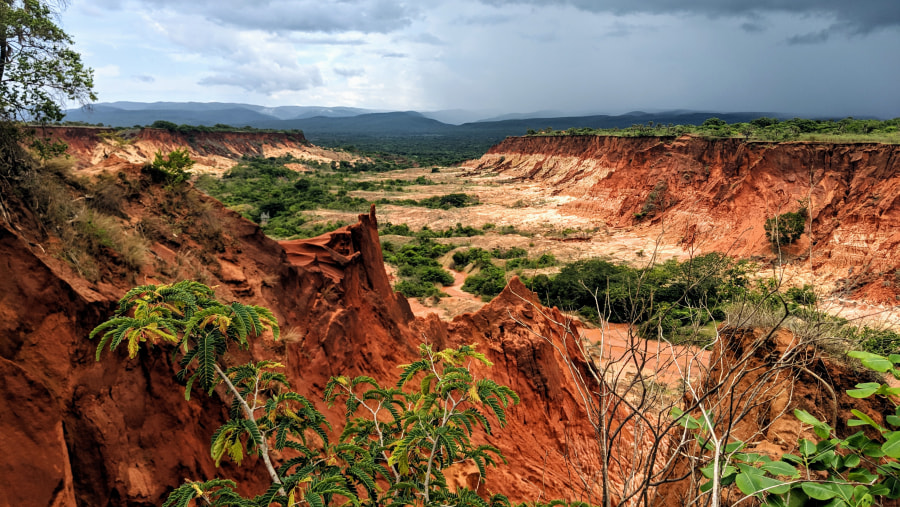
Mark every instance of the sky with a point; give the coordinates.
(805, 57)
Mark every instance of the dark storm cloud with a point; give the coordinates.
(850, 17)
(752, 27)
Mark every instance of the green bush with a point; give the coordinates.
(859, 469)
(878, 341)
(544, 261)
(786, 228)
(489, 281)
(172, 168)
(509, 253)
(396, 438)
(418, 267)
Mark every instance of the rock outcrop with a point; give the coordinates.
(97, 149)
(716, 194)
(119, 431)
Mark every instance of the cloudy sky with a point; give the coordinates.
(806, 57)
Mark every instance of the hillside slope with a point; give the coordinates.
(100, 149)
(715, 195)
(119, 432)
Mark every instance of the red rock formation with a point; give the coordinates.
(715, 195)
(120, 432)
(214, 152)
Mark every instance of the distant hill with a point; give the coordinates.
(126, 114)
(407, 133)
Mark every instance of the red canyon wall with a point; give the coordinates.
(715, 194)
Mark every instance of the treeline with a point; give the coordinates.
(425, 151)
(760, 129)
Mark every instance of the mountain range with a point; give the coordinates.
(398, 131)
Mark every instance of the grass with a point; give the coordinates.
(83, 214)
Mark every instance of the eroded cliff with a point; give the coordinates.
(119, 431)
(716, 194)
(98, 149)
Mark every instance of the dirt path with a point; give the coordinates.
(455, 290)
(456, 303)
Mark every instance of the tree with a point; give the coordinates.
(172, 168)
(786, 228)
(396, 440)
(39, 71)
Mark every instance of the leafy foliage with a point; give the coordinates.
(159, 314)
(396, 439)
(760, 129)
(426, 232)
(266, 191)
(786, 228)
(39, 71)
(413, 434)
(418, 267)
(858, 470)
(666, 295)
(172, 168)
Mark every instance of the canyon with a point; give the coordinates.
(81, 432)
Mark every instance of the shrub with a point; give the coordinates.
(396, 440)
(477, 256)
(786, 228)
(173, 168)
(544, 261)
(655, 201)
(509, 253)
(879, 341)
(434, 275)
(490, 281)
(413, 288)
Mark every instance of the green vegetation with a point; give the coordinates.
(266, 192)
(39, 74)
(426, 232)
(785, 229)
(670, 298)
(858, 469)
(423, 151)
(396, 439)
(39, 71)
(455, 200)
(172, 168)
(490, 279)
(847, 130)
(219, 127)
(655, 201)
(418, 268)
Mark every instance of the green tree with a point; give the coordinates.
(396, 439)
(786, 228)
(39, 71)
(173, 168)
